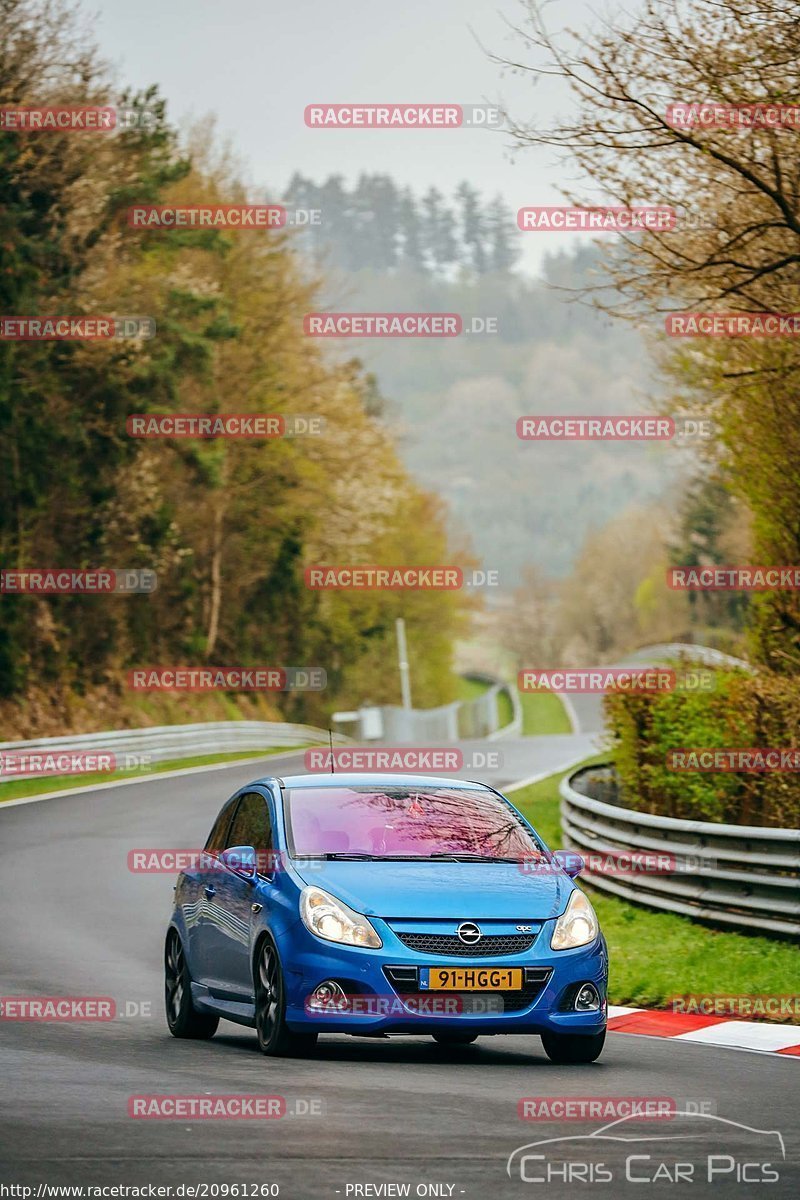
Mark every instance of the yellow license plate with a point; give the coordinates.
(472, 979)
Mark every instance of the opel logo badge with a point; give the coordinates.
(469, 933)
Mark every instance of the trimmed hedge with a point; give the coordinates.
(744, 711)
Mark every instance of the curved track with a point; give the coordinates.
(75, 921)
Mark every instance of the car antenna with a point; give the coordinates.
(330, 739)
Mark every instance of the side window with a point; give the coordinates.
(251, 825)
(216, 839)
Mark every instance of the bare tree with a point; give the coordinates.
(736, 245)
(737, 189)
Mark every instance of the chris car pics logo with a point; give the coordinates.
(696, 1147)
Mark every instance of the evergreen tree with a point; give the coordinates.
(504, 248)
(374, 233)
(412, 252)
(473, 228)
(337, 222)
(439, 231)
(302, 193)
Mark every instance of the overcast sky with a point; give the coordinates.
(257, 65)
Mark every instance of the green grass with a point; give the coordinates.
(56, 783)
(543, 712)
(655, 956)
(470, 689)
(505, 709)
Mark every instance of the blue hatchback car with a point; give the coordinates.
(381, 904)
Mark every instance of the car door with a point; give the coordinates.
(197, 891)
(235, 895)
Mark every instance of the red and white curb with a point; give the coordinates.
(712, 1031)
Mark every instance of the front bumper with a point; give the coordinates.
(382, 978)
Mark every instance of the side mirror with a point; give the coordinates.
(570, 862)
(242, 860)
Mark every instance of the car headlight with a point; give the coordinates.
(577, 925)
(331, 919)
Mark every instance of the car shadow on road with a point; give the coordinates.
(422, 1050)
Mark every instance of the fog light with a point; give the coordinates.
(588, 998)
(328, 995)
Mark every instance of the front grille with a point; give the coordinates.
(448, 943)
(405, 981)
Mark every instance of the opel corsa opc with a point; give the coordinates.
(384, 904)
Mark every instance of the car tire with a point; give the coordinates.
(573, 1047)
(275, 1039)
(455, 1039)
(183, 1019)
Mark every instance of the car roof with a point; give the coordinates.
(371, 779)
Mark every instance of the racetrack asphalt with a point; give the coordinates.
(74, 921)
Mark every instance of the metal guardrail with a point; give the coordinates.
(478, 718)
(746, 876)
(159, 743)
(701, 654)
(463, 719)
(487, 711)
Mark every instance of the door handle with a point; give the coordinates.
(210, 891)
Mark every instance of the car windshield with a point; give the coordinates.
(405, 822)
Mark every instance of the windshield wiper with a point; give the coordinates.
(347, 855)
(443, 856)
(359, 856)
(457, 856)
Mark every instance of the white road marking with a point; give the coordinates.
(747, 1035)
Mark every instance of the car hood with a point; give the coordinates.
(462, 891)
